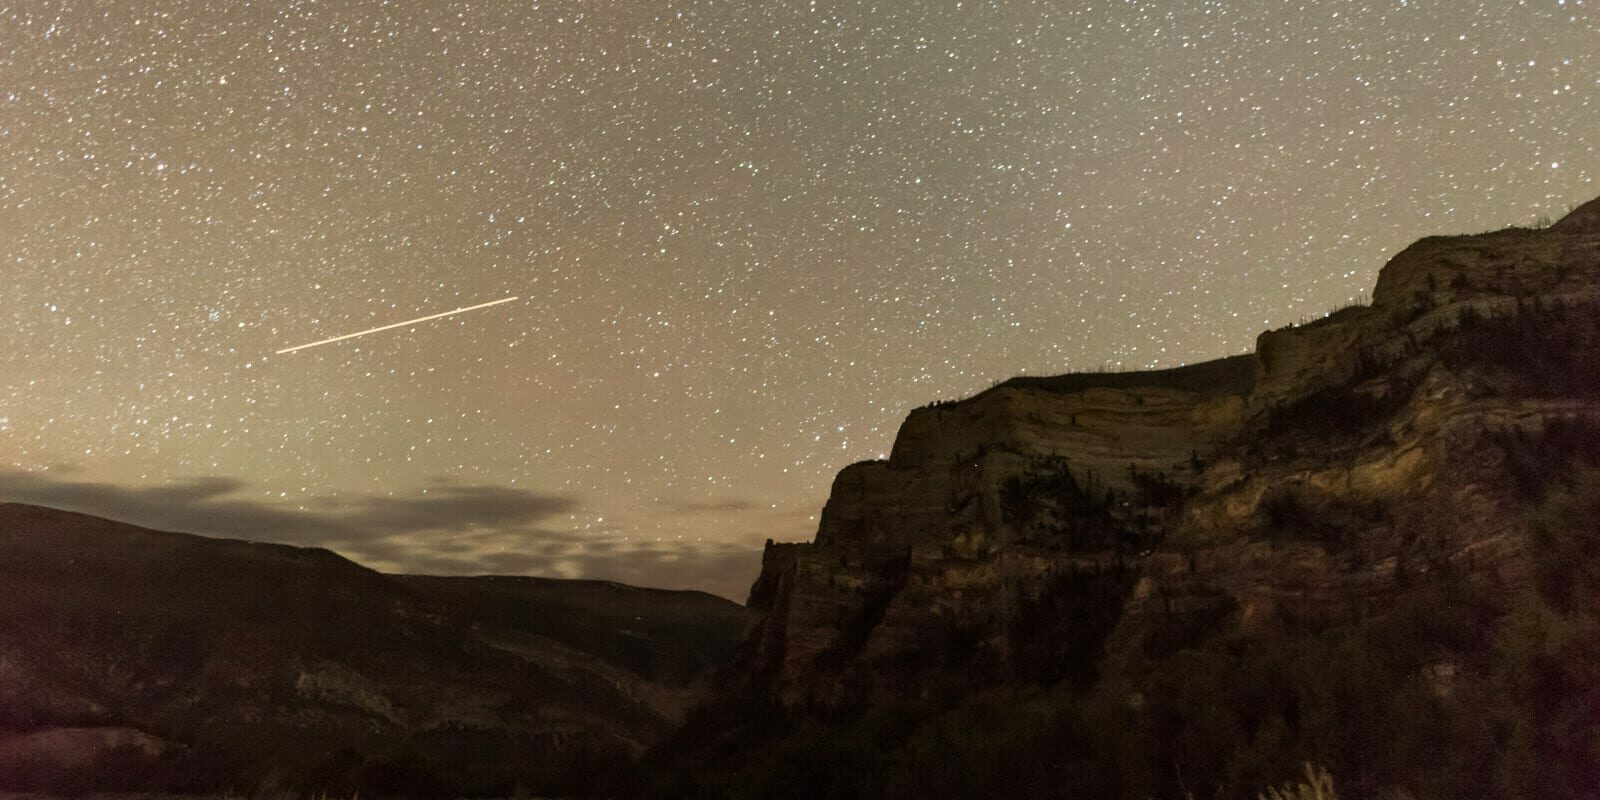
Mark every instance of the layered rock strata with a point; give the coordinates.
(1064, 527)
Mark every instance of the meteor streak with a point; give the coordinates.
(397, 325)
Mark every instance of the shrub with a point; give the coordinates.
(1318, 785)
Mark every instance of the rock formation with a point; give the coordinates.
(1082, 525)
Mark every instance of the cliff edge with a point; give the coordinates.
(1085, 530)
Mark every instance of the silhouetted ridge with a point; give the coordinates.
(1584, 219)
(1232, 375)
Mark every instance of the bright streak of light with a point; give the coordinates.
(396, 325)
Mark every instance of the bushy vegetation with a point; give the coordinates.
(570, 769)
(1543, 348)
(1338, 413)
(1538, 460)
(1318, 785)
(1051, 634)
(1299, 512)
(1049, 504)
(1547, 664)
(1047, 501)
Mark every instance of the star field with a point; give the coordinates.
(748, 238)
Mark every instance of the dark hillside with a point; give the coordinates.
(137, 659)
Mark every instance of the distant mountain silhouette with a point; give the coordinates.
(138, 659)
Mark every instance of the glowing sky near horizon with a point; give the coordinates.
(748, 238)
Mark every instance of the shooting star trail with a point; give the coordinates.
(396, 325)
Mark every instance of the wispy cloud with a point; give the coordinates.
(687, 507)
(446, 529)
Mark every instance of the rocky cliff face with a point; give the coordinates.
(136, 659)
(1081, 526)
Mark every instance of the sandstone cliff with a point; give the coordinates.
(1080, 526)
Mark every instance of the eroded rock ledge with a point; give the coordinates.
(1075, 526)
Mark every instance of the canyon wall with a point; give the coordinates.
(1080, 526)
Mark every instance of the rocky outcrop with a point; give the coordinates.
(1081, 525)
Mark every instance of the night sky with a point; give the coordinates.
(748, 238)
